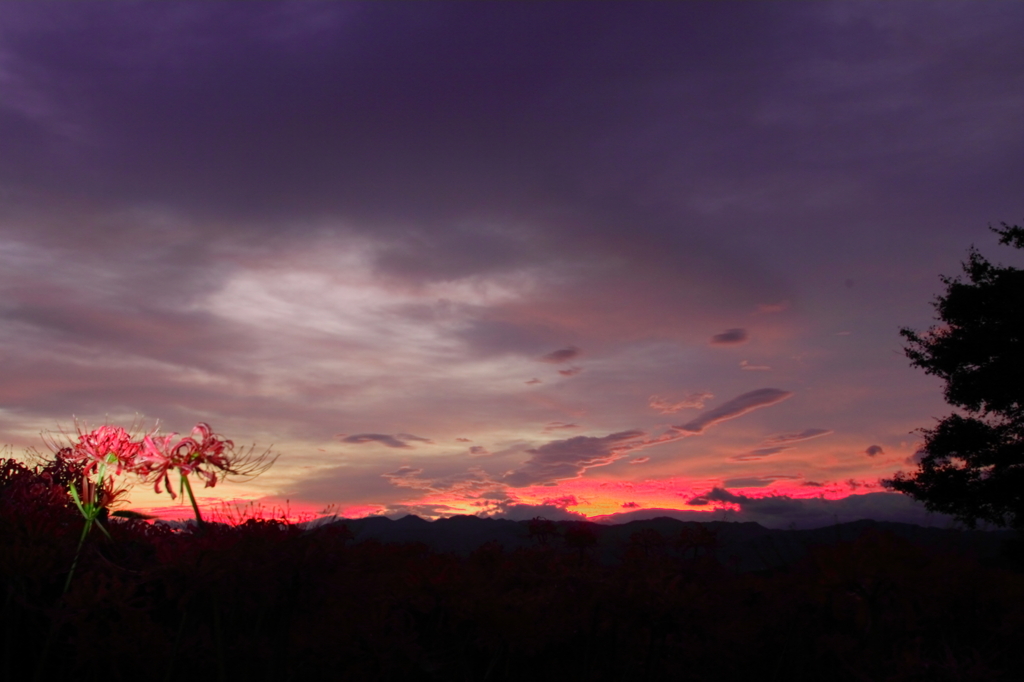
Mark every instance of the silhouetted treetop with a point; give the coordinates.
(973, 465)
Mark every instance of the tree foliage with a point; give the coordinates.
(972, 464)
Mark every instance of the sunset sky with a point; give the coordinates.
(506, 259)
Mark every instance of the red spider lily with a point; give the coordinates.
(204, 453)
(106, 445)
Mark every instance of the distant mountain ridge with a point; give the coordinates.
(747, 546)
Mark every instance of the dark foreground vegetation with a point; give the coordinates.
(264, 600)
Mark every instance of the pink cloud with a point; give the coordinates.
(667, 406)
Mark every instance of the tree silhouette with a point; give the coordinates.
(972, 464)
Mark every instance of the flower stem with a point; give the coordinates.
(78, 553)
(192, 499)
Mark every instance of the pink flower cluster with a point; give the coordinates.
(154, 457)
(106, 445)
(204, 453)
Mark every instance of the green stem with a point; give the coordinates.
(78, 553)
(90, 509)
(192, 499)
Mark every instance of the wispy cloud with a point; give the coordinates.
(740, 405)
(398, 440)
(806, 434)
(760, 453)
(559, 426)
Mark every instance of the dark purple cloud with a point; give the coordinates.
(570, 372)
(396, 441)
(566, 459)
(730, 337)
(873, 450)
(740, 405)
(562, 355)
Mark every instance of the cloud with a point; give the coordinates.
(766, 308)
(917, 457)
(463, 440)
(563, 501)
(478, 450)
(558, 426)
(562, 355)
(383, 439)
(730, 337)
(533, 382)
(757, 368)
(667, 406)
(757, 481)
(567, 459)
(760, 453)
(409, 436)
(781, 511)
(405, 477)
(740, 405)
(806, 434)
(396, 441)
(640, 460)
(571, 372)
(874, 450)
(525, 512)
(425, 511)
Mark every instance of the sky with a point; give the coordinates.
(573, 260)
